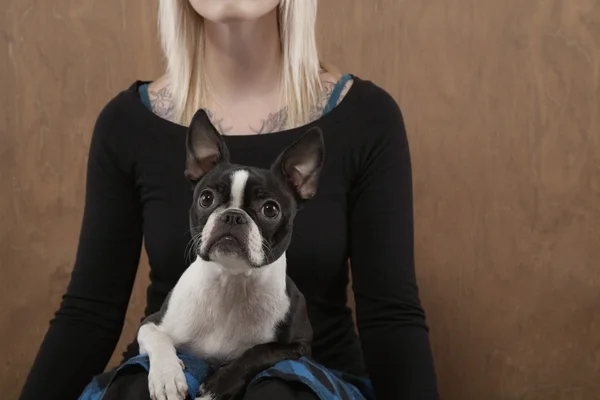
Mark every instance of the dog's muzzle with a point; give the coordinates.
(230, 234)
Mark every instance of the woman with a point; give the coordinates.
(253, 65)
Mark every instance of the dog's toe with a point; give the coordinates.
(166, 381)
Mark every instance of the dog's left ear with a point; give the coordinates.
(205, 147)
(301, 163)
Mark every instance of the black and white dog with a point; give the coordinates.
(234, 306)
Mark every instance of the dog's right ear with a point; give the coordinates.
(204, 145)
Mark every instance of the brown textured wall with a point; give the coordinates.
(502, 106)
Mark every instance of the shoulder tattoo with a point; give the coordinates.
(161, 100)
(328, 87)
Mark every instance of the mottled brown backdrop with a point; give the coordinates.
(502, 105)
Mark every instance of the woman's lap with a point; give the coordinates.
(134, 386)
(287, 380)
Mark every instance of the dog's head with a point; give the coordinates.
(241, 217)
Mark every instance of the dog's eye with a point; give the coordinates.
(270, 210)
(207, 198)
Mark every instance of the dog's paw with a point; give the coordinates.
(166, 380)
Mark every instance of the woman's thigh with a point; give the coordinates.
(275, 389)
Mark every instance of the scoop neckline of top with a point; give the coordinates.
(332, 115)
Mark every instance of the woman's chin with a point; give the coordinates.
(233, 11)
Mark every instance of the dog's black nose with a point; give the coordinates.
(234, 217)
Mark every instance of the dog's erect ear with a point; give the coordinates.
(301, 163)
(205, 147)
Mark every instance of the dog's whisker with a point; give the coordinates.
(188, 252)
(193, 243)
(266, 247)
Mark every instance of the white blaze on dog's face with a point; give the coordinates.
(242, 217)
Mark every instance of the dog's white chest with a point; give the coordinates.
(218, 316)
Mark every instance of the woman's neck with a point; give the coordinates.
(243, 59)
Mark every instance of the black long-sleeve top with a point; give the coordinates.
(362, 215)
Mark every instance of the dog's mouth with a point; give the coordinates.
(226, 243)
(227, 239)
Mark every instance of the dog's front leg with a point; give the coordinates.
(166, 380)
(229, 382)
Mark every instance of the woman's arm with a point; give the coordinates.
(87, 326)
(390, 319)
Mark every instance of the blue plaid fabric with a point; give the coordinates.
(327, 384)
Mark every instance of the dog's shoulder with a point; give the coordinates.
(296, 326)
(157, 317)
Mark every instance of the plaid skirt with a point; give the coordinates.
(327, 384)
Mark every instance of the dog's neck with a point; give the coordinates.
(215, 273)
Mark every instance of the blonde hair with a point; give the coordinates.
(181, 34)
